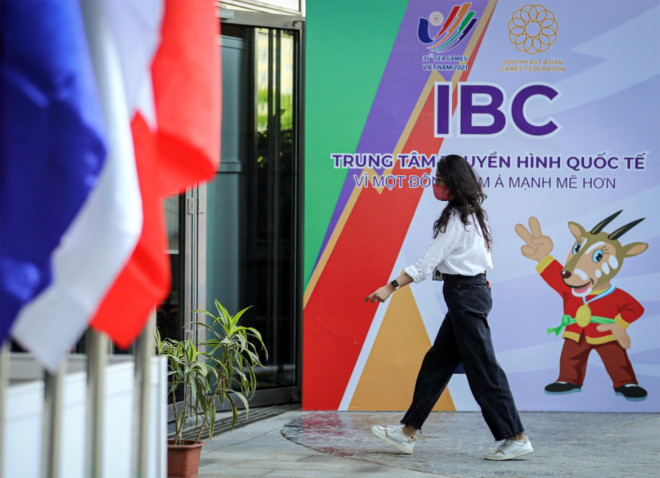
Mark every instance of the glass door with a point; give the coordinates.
(252, 205)
(169, 315)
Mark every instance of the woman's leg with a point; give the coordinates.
(437, 368)
(470, 306)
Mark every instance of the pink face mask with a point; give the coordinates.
(441, 192)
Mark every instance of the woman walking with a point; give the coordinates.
(459, 255)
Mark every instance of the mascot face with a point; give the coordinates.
(596, 257)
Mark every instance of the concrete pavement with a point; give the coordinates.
(340, 444)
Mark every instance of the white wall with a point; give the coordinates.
(23, 424)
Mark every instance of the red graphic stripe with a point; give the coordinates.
(453, 13)
(336, 318)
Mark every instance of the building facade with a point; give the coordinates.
(238, 238)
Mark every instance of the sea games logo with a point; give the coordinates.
(459, 23)
(440, 36)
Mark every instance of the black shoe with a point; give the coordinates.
(559, 388)
(631, 391)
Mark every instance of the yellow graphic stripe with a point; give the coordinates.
(388, 378)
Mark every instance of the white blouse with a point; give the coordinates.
(459, 250)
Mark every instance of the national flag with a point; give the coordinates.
(176, 149)
(105, 232)
(52, 147)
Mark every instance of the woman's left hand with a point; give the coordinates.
(381, 294)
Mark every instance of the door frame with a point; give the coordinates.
(196, 200)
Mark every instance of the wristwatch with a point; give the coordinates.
(395, 284)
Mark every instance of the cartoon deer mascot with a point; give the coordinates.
(596, 314)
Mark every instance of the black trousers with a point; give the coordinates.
(464, 336)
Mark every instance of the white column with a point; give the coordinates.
(52, 422)
(97, 359)
(144, 351)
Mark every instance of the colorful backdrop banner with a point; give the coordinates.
(556, 107)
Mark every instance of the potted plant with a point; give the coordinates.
(232, 352)
(222, 373)
(188, 371)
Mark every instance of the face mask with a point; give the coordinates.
(441, 192)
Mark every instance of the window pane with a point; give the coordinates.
(168, 316)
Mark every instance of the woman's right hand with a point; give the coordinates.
(380, 294)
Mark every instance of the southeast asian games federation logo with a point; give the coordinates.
(451, 31)
(533, 29)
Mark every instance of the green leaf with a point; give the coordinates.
(206, 312)
(202, 324)
(243, 399)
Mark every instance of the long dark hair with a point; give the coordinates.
(466, 195)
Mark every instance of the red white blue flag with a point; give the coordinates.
(156, 76)
(53, 142)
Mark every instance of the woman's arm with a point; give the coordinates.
(384, 292)
(438, 251)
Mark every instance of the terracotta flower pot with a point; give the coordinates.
(183, 460)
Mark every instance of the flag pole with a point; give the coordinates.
(144, 351)
(97, 359)
(4, 386)
(52, 422)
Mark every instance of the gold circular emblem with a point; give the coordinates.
(583, 315)
(532, 29)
